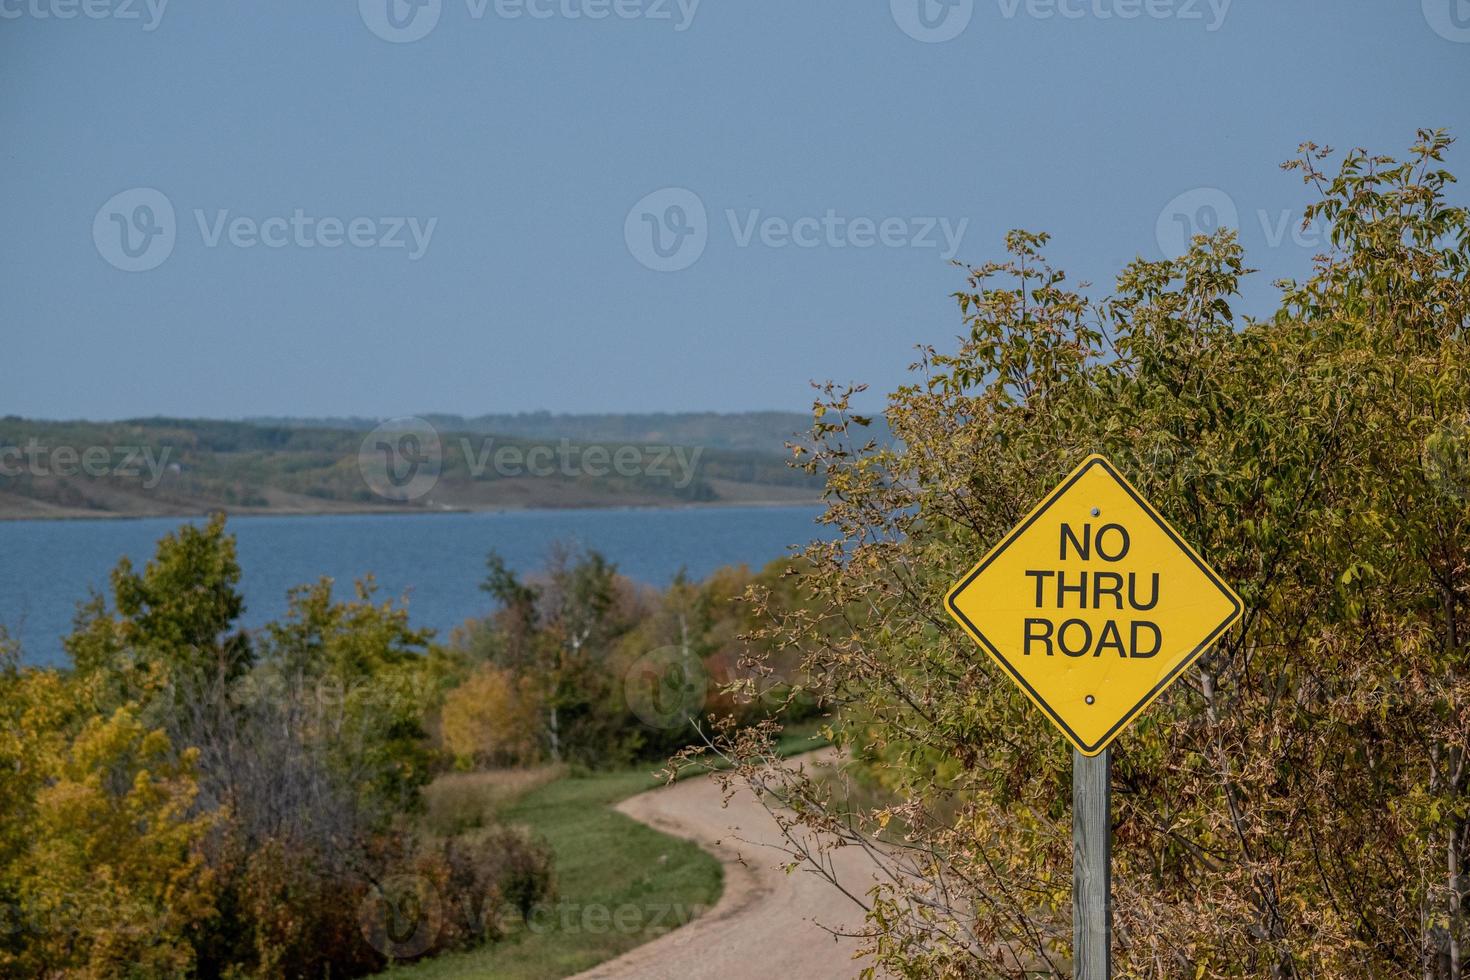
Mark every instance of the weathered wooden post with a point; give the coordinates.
(1092, 859)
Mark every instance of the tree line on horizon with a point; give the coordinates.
(193, 466)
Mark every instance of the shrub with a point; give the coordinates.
(108, 881)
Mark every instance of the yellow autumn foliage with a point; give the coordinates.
(106, 877)
(491, 718)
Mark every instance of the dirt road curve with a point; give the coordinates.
(765, 925)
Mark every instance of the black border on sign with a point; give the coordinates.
(1041, 508)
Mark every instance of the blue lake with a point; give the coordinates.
(436, 560)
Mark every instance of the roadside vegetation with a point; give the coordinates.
(1299, 805)
(339, 792)
(619, 883)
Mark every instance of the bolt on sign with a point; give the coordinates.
(1094, 605)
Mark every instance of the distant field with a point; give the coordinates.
(176, 467)
(760, 432)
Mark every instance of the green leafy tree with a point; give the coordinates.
(174, 621)
(561, 632)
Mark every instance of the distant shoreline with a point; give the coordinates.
(8, 516)
(186, 468)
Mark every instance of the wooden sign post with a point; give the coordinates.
(1093, 605)
(1092, 867)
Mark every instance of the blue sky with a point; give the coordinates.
(368, 221)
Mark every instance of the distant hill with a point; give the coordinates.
(742, 431)
(162, 466)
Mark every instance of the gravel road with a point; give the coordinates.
(767, 924)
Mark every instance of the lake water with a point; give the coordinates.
(437, 560)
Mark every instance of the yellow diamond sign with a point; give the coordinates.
(1094, 605)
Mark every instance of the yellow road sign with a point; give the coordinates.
(1093, 604)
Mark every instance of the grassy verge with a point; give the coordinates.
(620, 883)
